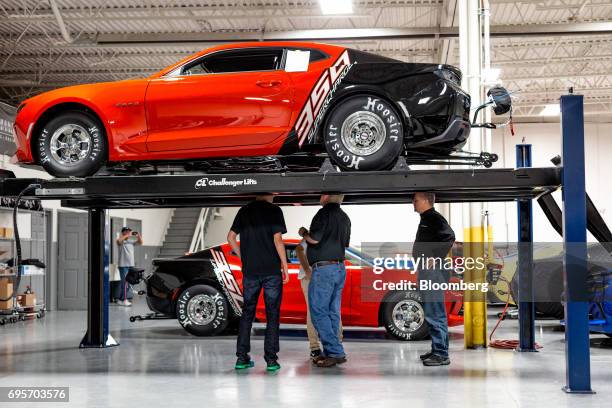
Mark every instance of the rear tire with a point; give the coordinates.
(364, 132)
(404, 317)
(202, 310)
(72, 144)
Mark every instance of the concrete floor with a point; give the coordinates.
(157, 363)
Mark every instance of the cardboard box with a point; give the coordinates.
(8, 233)
(2, 232)
(6, 288)
(28, 299)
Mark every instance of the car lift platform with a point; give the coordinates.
(216, 190)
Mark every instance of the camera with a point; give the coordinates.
(134, 233)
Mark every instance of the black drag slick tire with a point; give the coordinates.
(72, 144)
(202, 310)
(364, 132)
(406, 307)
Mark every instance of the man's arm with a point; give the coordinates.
(231, 239)
(306, 235)
(301, 254)
(122, 239)
(282, 254)
(139, 237)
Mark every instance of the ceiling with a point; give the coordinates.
(52, 43)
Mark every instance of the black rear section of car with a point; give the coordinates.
(171, 276)
(434, 109)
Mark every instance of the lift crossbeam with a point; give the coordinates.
(215, 190)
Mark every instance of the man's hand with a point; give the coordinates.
(308, 272)
(285, 270)
(302, 231)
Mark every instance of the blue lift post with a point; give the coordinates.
(525, 262)
(98, 335)
(577, 352)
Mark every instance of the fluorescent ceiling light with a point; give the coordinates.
(336, 6)
(551, 110)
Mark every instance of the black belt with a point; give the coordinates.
(323, 263)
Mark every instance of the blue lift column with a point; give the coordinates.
(525, 261)
(577, 352)
(98, 335)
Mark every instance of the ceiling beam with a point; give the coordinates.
(527, 30)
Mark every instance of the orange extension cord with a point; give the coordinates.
(505, 344)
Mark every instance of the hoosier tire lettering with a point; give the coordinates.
(364, 132)
(72, 144)
(202, 310)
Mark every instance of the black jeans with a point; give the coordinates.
(273, 293)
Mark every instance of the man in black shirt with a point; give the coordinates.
(433, 241)
(264, 265)
(329, 235)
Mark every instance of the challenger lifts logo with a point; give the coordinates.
(316, 105)
(227, 280)
(223, 182)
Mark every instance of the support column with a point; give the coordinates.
(577, 352)
(470, 53)
(97, 335)
(525, 261)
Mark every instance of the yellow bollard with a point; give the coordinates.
(475, 306)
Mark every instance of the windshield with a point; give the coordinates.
(355, 256)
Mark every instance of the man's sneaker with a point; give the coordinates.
(241, 364)
(124, 303)
(436, 360)
(315, 354)
(273, 366)
(425, 356)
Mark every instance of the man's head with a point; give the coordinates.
(331, 198)
(126, 231)
(265, 197)
(423, 201)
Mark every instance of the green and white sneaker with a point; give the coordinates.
(242, 364)
(273, 366)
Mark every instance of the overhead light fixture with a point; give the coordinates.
(552, 109)
(329, 7)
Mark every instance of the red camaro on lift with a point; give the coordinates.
(203, 291)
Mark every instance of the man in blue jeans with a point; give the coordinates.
(432, 244)
(125, 243)
(328, 237)
(261, 226)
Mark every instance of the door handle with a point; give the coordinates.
(269, 84)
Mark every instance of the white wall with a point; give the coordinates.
(380, 223)
(154, 221)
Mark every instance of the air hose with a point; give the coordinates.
(17, 258)
(506, 344)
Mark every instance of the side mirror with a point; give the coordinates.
(502, 102)
(499, 98)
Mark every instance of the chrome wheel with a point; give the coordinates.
(70, 144)
(201, 309)
(408, 315)
(363, 133)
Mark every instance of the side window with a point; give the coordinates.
(292, 255)
(260, 59)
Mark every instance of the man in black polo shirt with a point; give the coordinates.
(264, 265)
(329, 235)
(432, 244)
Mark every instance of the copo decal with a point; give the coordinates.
(316, 105)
